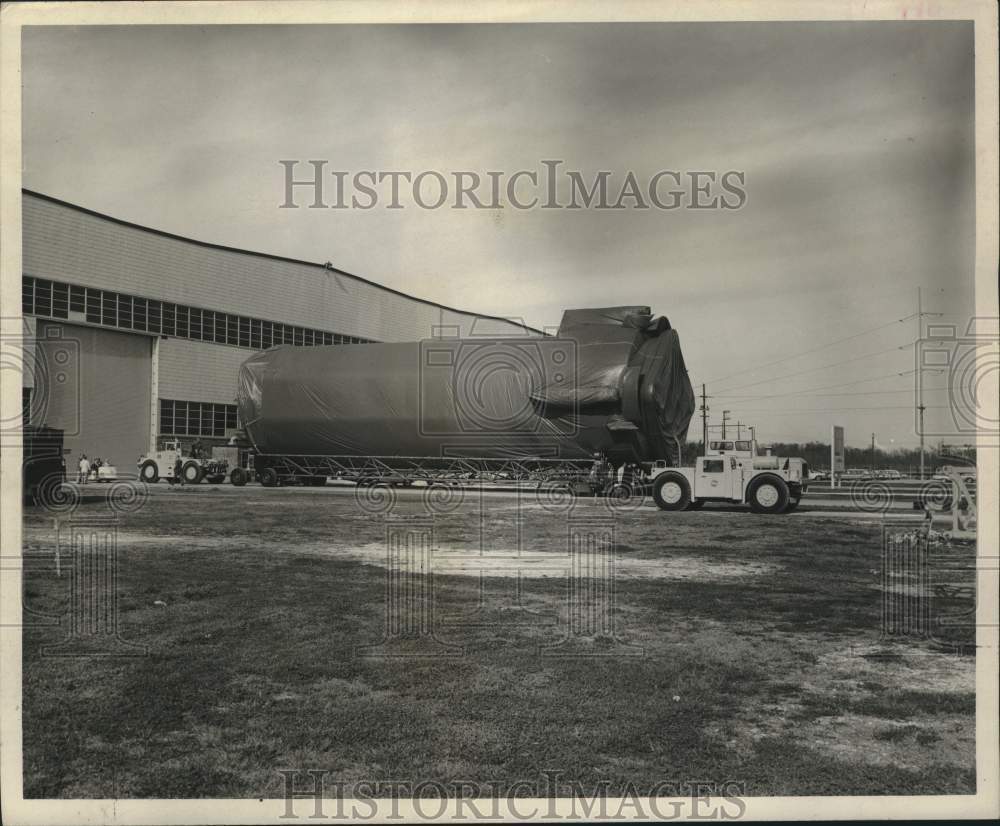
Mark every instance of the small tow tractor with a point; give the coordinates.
(732, 472)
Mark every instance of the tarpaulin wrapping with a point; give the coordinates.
(611, 381)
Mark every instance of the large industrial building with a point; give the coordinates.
(133, 334)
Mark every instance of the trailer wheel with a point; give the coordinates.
(149, 473)
(191, 473)
(238, 477)
(269, 477)
(671, 492)
(768, 494)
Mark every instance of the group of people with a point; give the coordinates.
(86, 467)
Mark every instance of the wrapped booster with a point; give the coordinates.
(611, 381)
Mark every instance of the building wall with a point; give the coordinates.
(199, 372)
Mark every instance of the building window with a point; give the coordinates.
(43, 297)
(57, 299)
(169, 320)
(77, 299)
(180, 418)
(60, 300)
(28, 296)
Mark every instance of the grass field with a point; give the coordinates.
(760, 660)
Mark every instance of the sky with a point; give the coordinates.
(855, 140)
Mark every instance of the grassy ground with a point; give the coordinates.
(761, 662)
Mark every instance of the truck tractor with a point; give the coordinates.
(160, 465)
(731, 471)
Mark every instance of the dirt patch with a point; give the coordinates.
(453, 560)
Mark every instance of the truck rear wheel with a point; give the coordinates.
(191, 473)
(238, 478)
(671, 492)
(269, 477)
(148, 473)
(768, 494)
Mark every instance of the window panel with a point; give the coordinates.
(125, 311)
(77, 299)
(255, 326)
(231, 417)
(194, 418)
(195, 320)
(93, 306)
(297, 336)
(138, 313)
(109, 309)
(28, 295)
(60, 300)
(220, 328)
(180, 418)
(327, 338)
(182, 322)
(166, 417)
(169, 320)
(154, 316)
(43, 297)
(244, 331)
(232, 329)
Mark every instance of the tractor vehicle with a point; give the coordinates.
(731, 471)
(161, 464)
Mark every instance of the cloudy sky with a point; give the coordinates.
(856, 141)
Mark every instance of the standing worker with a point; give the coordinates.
(84, 469)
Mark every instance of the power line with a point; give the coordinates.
(830, 386)
(815, 349)
(856, 393)
(814, 369)
(836, 409)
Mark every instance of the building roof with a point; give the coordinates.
(267, 255)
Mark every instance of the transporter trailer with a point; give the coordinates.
(732, 472)
(274, 470)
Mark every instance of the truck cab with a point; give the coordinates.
(732, 471)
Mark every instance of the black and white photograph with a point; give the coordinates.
(527, 412)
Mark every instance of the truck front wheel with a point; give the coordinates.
(191, 473)
(671, 492)
(768, 494)
(149, 473)
(238, 477)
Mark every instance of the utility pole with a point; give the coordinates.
(704, 420)
(725, 416)
(920, 379)
(739, 429)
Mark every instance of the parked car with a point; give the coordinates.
(855, 474)
(819, 475)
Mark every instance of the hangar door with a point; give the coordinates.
(95, 385)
